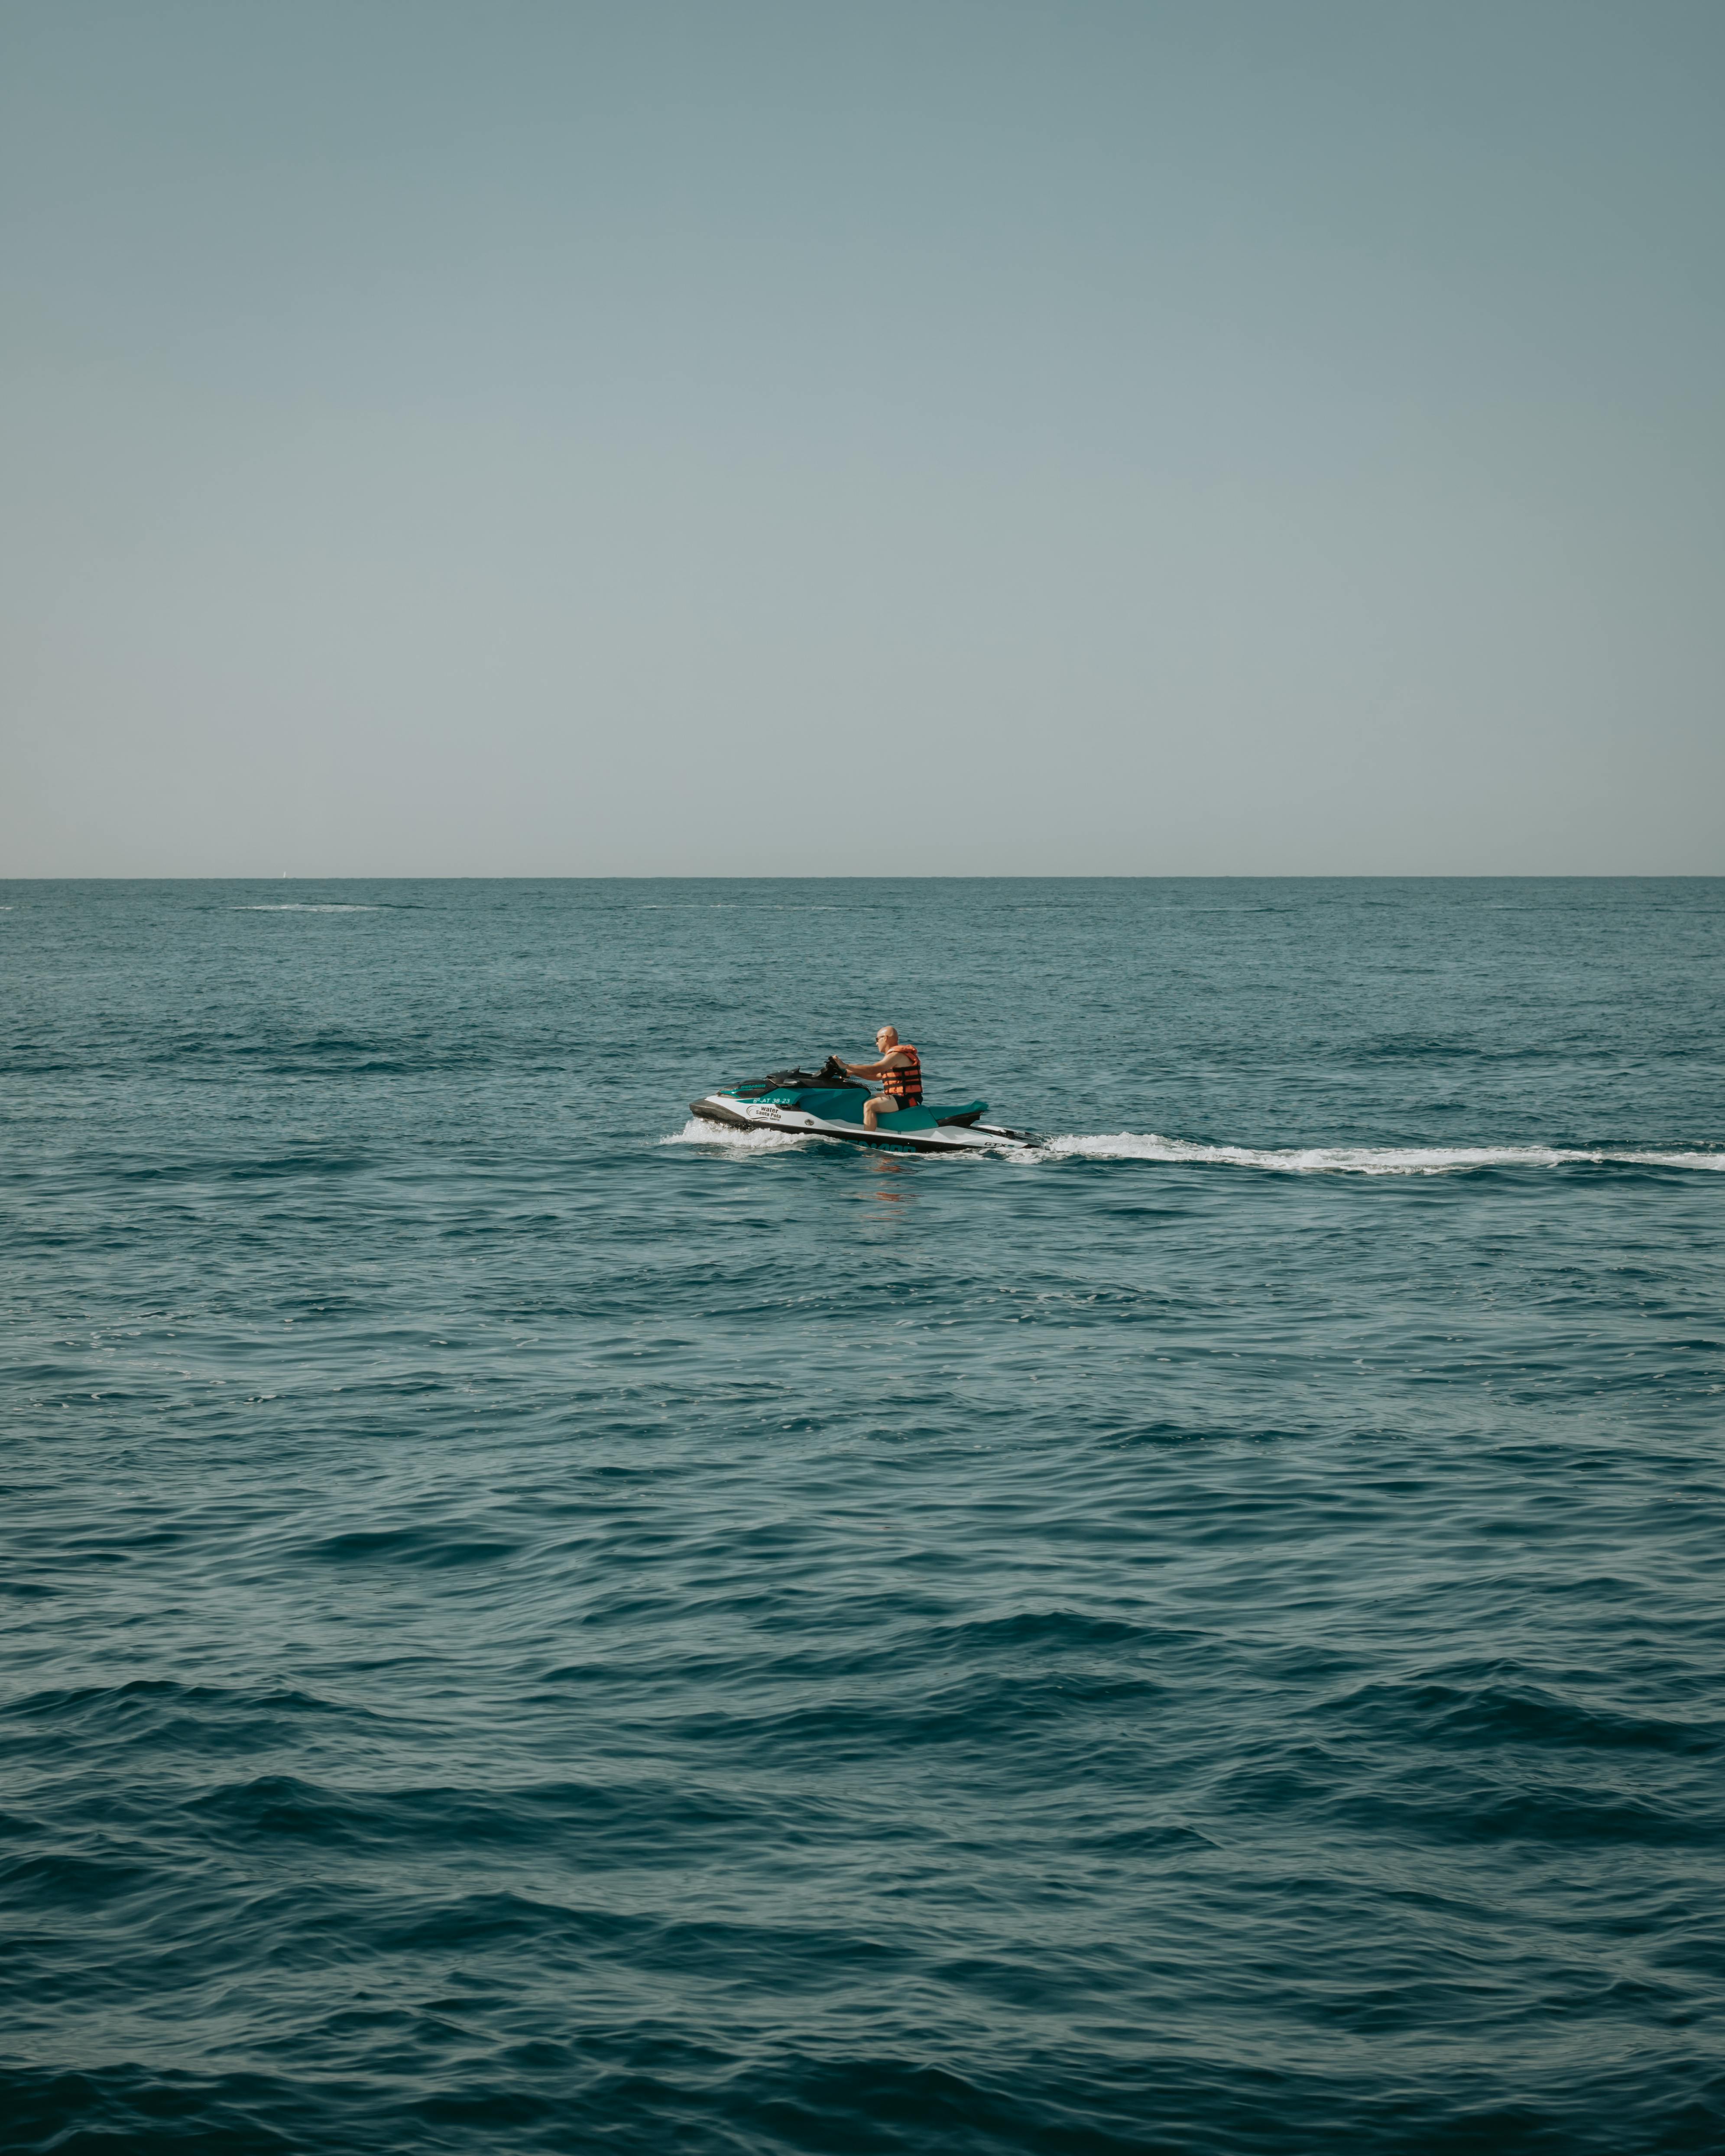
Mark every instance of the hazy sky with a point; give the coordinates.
(557, 439)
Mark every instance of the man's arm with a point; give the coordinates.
(896, 1061)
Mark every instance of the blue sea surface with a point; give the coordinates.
(530, 1626)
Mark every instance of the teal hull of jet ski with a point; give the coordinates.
(835, 1110)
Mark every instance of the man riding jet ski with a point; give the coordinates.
(834, 1103)
(900, 1071)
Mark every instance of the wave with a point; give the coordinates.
(1282, 1160)
(1465, 1711)
(306, 905)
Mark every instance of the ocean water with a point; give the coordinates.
(529, 1627)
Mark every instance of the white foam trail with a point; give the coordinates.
(1358, 1160)
(695, 1131)
(1307, 1160)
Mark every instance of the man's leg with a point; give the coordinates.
(877, 1104)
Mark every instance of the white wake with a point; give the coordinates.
(1279, 1160)
(1363, 1160)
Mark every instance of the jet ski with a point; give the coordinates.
(828, 1103)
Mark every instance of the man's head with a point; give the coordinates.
(887, 1038)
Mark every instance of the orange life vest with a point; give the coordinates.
(904, 1082)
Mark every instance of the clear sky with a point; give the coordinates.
(1234, 436)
